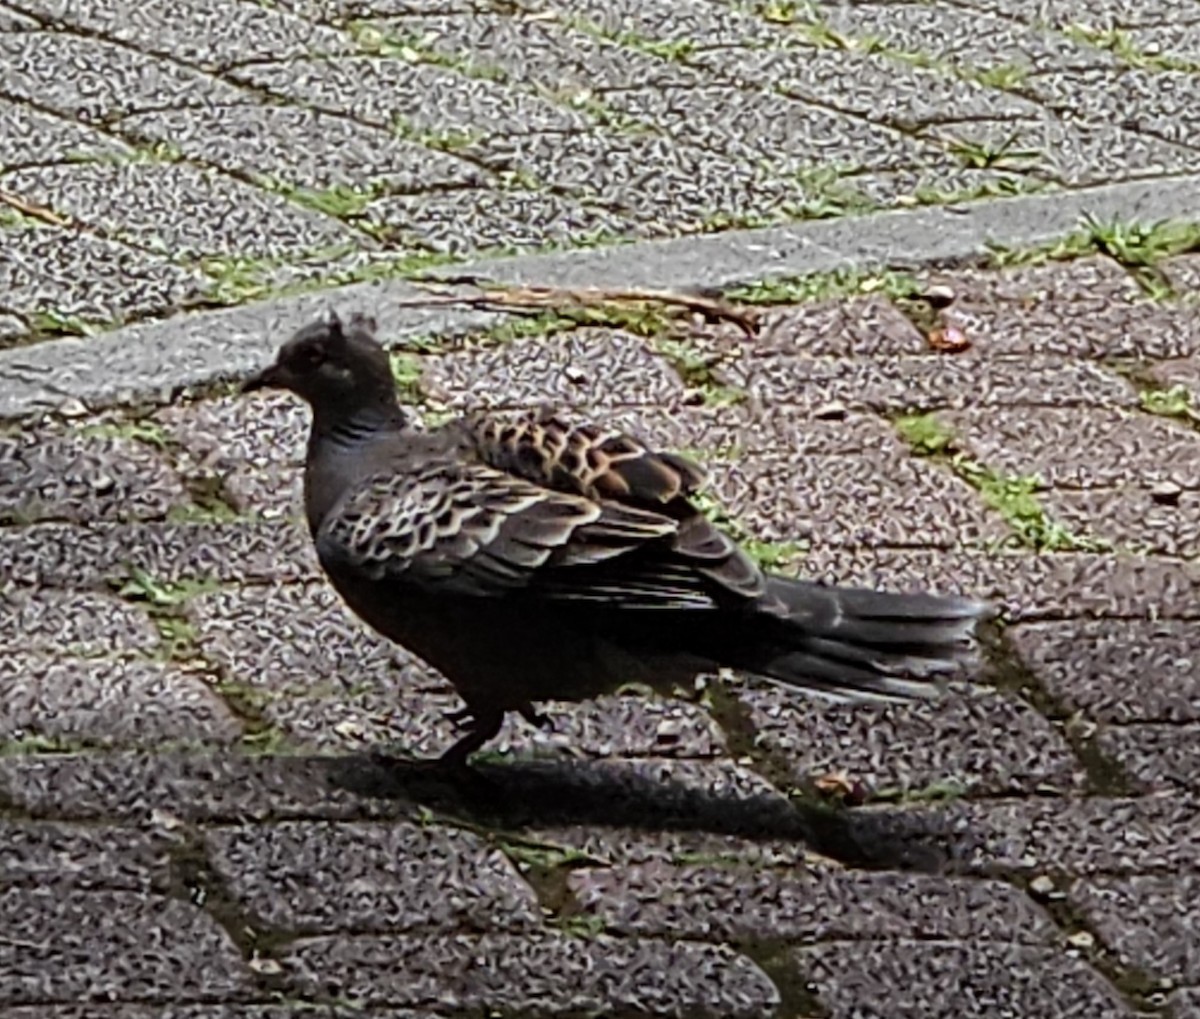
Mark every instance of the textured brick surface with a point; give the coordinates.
(171, 652)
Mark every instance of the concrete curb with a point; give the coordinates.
(152, 360)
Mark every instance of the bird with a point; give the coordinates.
(529, 559)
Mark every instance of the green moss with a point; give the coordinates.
(1012, 496)
(1139, 247)
(840, 283)
(147, 432)
(1176, 402)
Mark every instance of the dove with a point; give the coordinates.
(530, 559)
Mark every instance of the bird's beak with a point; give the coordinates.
(268, 378)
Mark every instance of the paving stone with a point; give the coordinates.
(302, 147)
(899, 385)
(254, 447)
(689, 23)
(974, 742)
(109, 702)
(1088, 285)
(422, 99)
(1116, 671)
(1156, 102)
(211, 35)
(45, 855)
(950, 34)
(12, 329)
(593, 367)
(946, 979)
(311, 878)
(713, 435)
(463, 221)
(813, 904)
(1068, 152)
(13, 21)
(63, 946)
(108, 81)
(28, 135)
(1097, 835)
(1186, 1004)
(531, 50)
(861, 501)
(1157, 755)
(760, 124)
(211, 1011)
(1183, 371)
(544, 976)
(83, 478)
(1132, 516)
(140, 203)
(1183, 271)
(856, 327)
(1149, 921)
(1080, 330)
(70, 275)
(652, 179)
(329, 681)
(59, 555)
(164, 787)
(1074, 448)
(77, 623)
(1105, 14)
(1028, 587)
(622, 847)
(869, 85)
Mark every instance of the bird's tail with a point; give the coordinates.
(859, 643)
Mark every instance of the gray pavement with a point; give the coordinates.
(194, 821)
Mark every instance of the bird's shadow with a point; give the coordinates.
(540, 794)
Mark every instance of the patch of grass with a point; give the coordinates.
(984, 156)
(698, 370)
(838, 284)
(341, 201)
(584, 926)
(164, 602)
(235, 280)
(1012, 496)
(990, 187)
(940, 791)
(1001, 76)
(147, 432)
(925, 434)
(37, 743)
(408, 370)
(445, 140)
(773, 556)
(1139, 247)
(52, 322)
(1121, 44)
(1176, 402)
(416, 49)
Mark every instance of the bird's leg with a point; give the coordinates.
(482, 727)
(535, 717)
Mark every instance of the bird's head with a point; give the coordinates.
(332, 364)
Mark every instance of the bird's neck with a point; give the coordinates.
(337, 445)
(349, 425)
